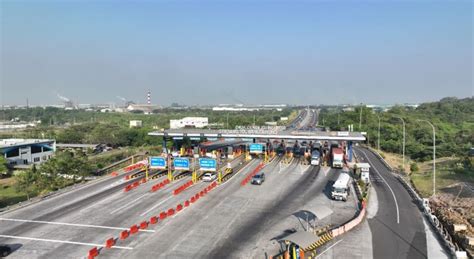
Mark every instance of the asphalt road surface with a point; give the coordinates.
(397, 228)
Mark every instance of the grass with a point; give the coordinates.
(446, 174)
(8, 194)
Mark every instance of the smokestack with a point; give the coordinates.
(148, 97)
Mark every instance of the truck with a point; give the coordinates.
(337, 158)
(315, 157)
(340, 188)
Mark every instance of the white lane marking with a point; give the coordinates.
(158, 204)
(86, 209)
(128, 204)
(70, 224)
(64, 242)
(329, 248)
(238, 172)
(390, 188)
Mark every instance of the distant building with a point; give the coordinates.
(27, 151)
(135, 124)
(189, 122)
(145, 108)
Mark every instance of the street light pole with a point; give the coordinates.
(378, 137)
(360, 118)
(403, 151)
(434, 155)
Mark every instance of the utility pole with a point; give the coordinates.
(434, 155)
(360, 118)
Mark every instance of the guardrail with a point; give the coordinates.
(425, 209)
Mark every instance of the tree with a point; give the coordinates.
(26, 181)
(3, 165)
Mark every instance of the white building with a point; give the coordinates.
(135, 124)
(27, 151)
(189, 122)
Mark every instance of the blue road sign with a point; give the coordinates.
(157, 162)
(256, 148)
(207, 164)
(181, 163)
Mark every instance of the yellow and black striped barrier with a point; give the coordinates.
(136, 175)
(158, 175)
(179, 176)
(323, 239)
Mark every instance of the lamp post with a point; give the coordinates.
(403, 147)
(434, 154)
(378, 137)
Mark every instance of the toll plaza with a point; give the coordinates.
(263, 137)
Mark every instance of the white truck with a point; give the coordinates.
(341, 188)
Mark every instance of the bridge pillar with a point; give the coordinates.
(349, 147)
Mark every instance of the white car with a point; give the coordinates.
(208, 177)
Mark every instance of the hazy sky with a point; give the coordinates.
(195, 52)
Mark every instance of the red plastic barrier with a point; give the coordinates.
(193, 199)
(179, 207)
(127, 188)
(163, 215)
(186, 204)
(144, 225)
(127, 177)
(114, 174)
(201, 193)
(170, 212)
(93, 252)
(124, 234)
(153, 220)
(110, 242)
(133, 229)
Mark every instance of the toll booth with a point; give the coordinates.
(362, 171)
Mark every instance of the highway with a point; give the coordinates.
(397, 228)
(232, 221)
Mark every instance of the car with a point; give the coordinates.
(5, 250)
(258, 179)
(208, 177)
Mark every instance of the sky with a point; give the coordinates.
(250, 52)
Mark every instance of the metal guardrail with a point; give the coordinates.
(440, 231)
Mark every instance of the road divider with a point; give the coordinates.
(93, 253)
(110, 242)
(124, 235)
(160, 185)
(133, 229)
(252, 174)
(182, 187)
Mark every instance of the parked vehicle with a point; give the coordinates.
(337, 157)
(209, 177)
(341, 188)
(258, 179)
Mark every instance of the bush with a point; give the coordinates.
(414, 167)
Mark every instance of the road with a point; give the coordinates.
(397, 228)
(231, 221)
